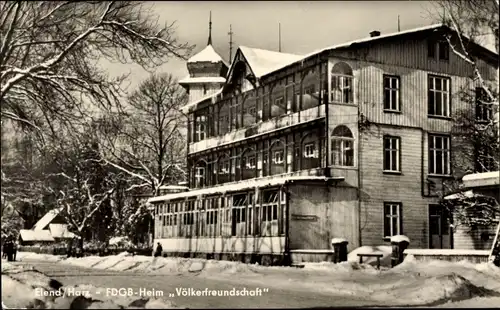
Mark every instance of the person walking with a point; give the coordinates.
(159, 250)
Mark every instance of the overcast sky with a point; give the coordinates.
(305, 25)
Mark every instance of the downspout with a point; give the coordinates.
(327, 126)
(360, 185)
(422, 164)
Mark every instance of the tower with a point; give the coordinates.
(207, 71)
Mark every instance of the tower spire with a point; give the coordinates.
(230, 33)
(210, 29)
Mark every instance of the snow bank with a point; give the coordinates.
(385, 250)
(410, 283)
(22, 288)
(23, 256)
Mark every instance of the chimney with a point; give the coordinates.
(374, 33)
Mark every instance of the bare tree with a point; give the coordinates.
(50, 54)
(150, 145)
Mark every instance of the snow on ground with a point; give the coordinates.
(37, 256)
(26, 288)
(411, 283)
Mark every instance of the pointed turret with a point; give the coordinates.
(207, 70)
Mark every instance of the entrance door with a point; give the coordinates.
(440, 232)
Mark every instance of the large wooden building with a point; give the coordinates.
(290, 151)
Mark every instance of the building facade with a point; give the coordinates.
(352, 141)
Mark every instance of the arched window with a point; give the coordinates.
(342, 151)
(341, 87)
(310, 152)
(248, 164)
(277, 160)
(224, 170)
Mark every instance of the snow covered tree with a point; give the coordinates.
(150, 142)
(52, 71)
(56, 50)
(82, 185)
(477, 131)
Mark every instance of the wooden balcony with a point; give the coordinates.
(257, 129)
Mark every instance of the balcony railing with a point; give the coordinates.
(274, 124)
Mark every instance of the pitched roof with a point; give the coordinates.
(208, 54)
(376, 38)
(262, 62)
(32, 235)
(202, 79)
(46, 219)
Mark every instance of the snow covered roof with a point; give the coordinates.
(248, 184)
(32, 235)
(188, 106)
(481, 179)
(263, 62)
(46, 219)
(60, 231)
(208, 54)
(370, 39)
(202, 79)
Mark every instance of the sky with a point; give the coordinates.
(305, 25)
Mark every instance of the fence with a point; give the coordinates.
(473, 256)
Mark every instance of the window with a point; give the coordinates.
(224, 166)
(199, 176)
(392, 154)
(391, 93)
(439, 48)
(278, 157)
(204, 89)
(342, 151)
(392, 219)
(443, 50)
(484, 108)
(239, 215)
(251, 111)
(200, 130)
(309, 150)
(250, 162)
(431, 49)
(341, 90)
(439, 155)
(439, 96)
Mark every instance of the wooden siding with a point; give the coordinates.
(196, 90)
(335, 209)
(406, 188)
(411, 53)
(413, 96)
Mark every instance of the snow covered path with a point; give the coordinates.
(433, 283)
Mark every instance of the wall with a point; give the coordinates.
(405, 188)
(336, 212)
